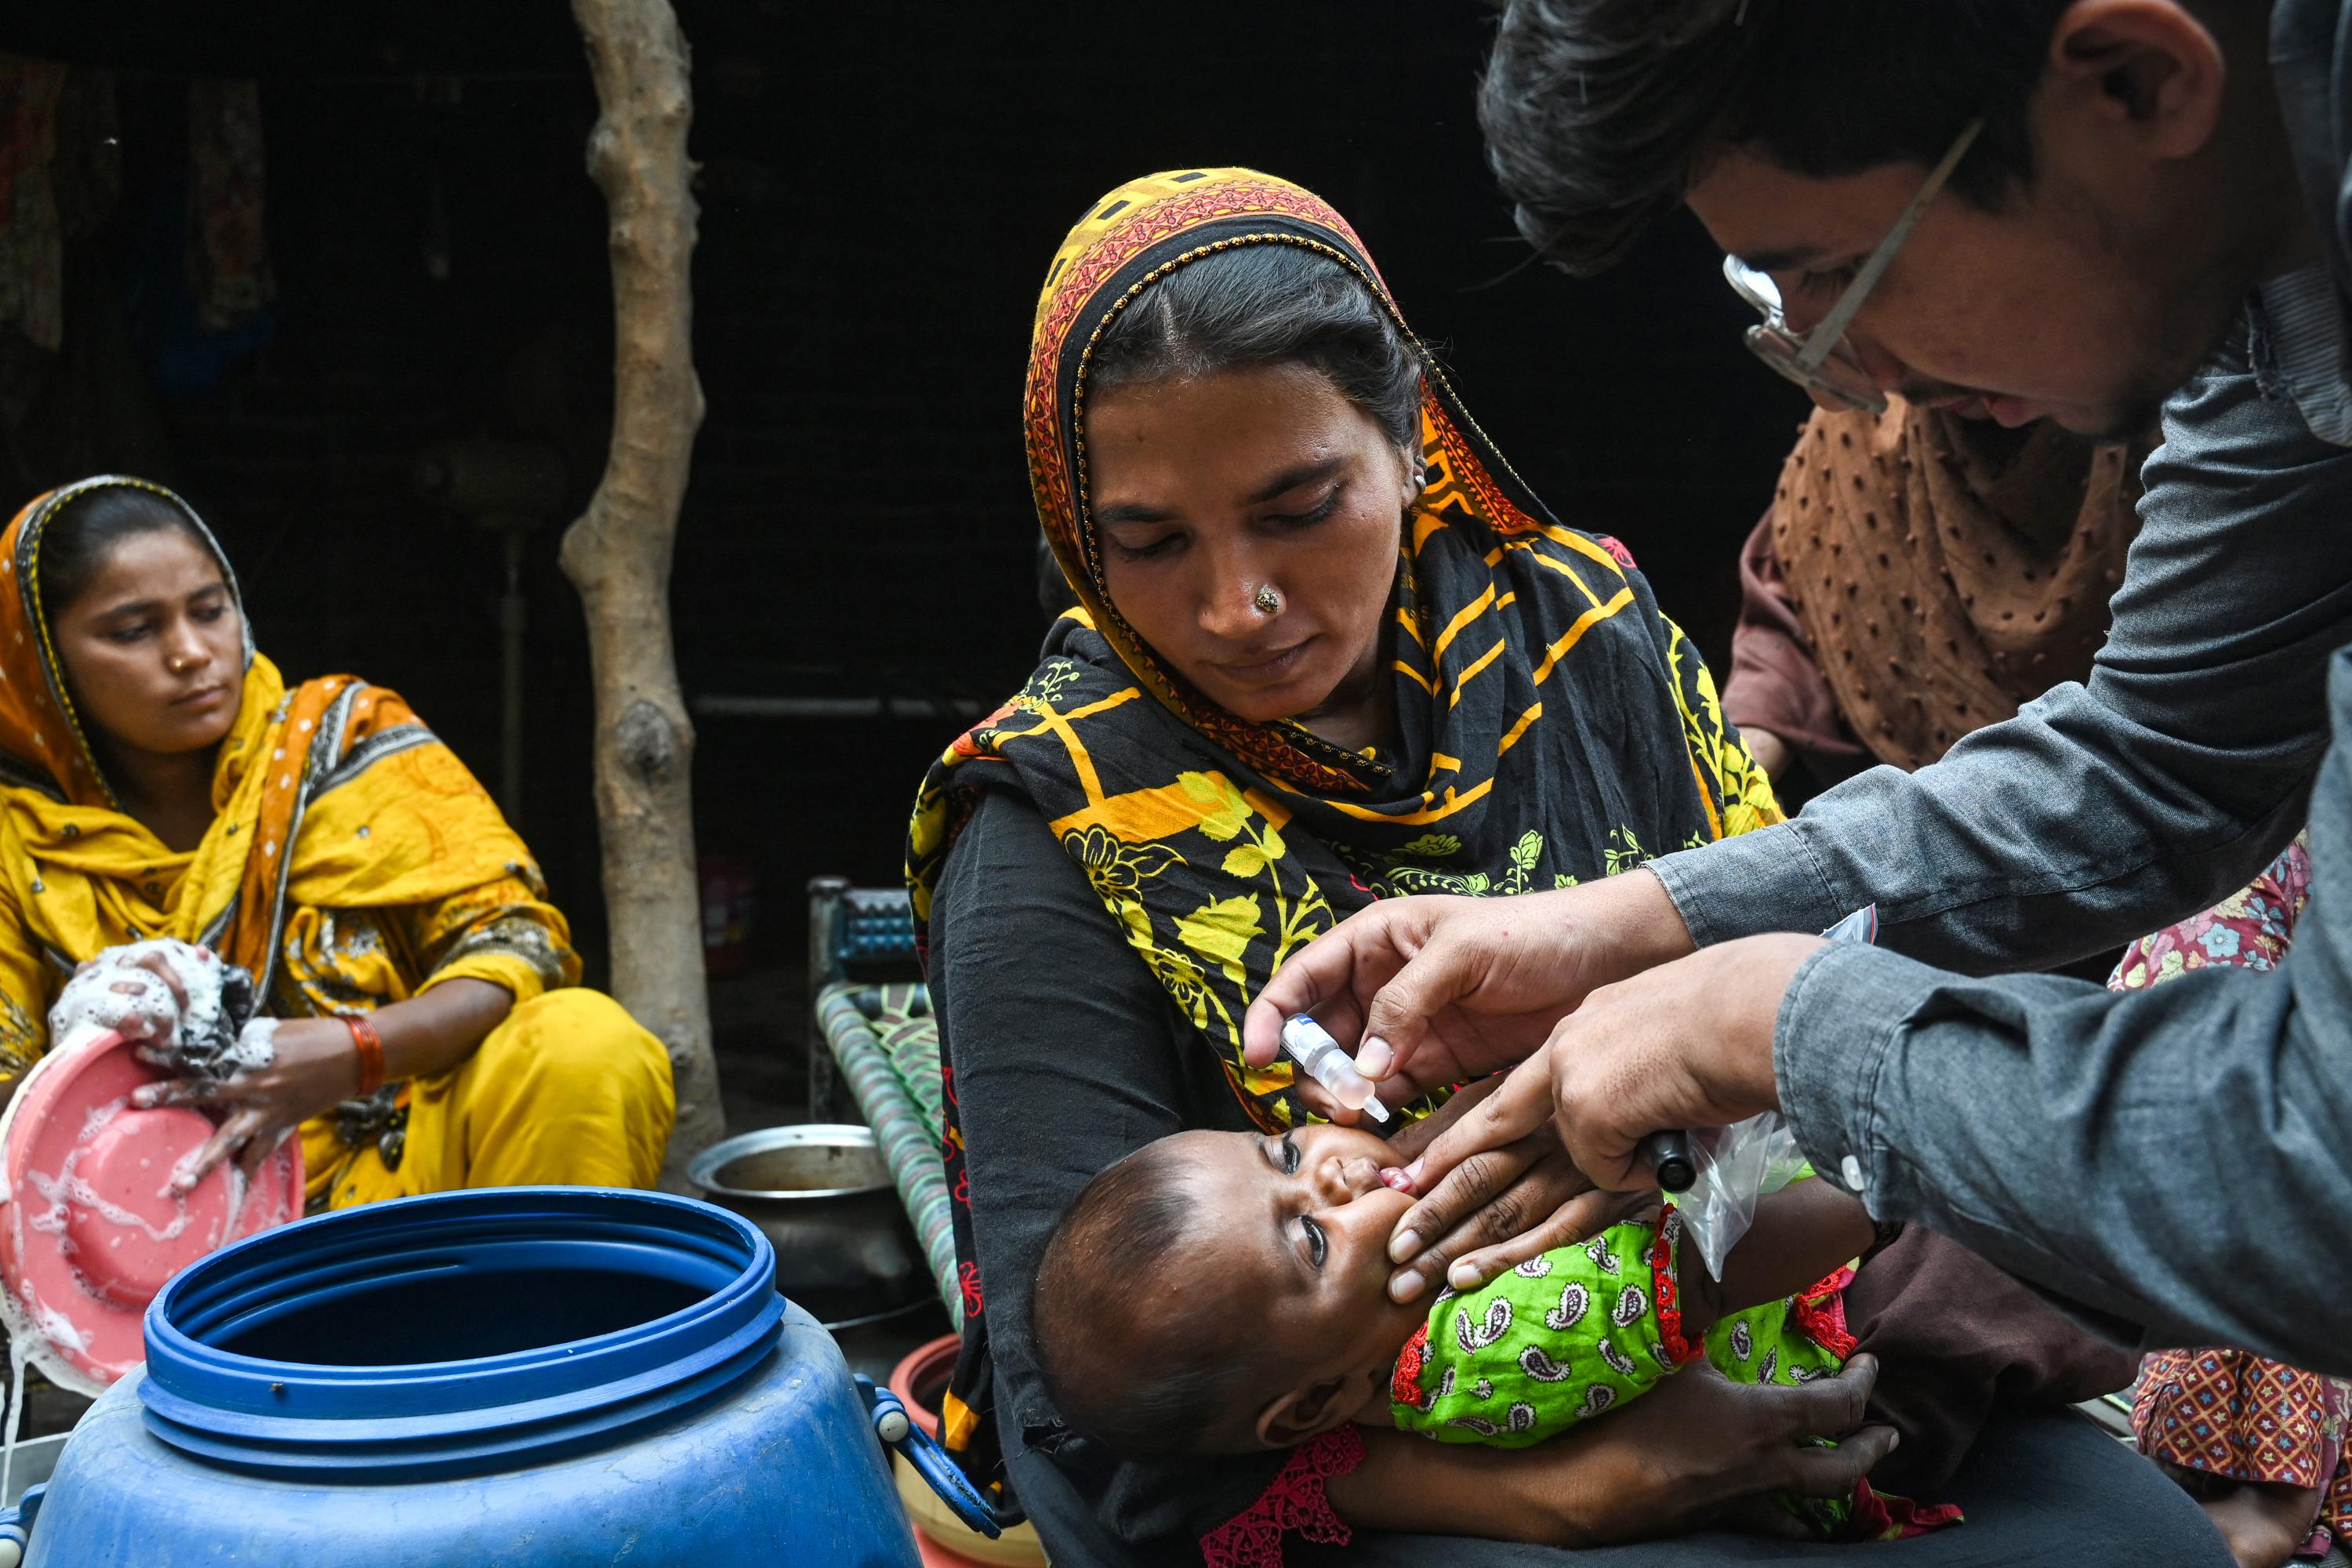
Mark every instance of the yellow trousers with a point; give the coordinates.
(568, 1090)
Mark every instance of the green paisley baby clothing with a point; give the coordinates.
(1575, 1332)
(1581, 1330)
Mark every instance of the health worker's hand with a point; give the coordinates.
(1529, 1197)
(1686, 1045)
(1438, 990)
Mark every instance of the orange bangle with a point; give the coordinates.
(370, 1046)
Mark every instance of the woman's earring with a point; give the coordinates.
(1268, 602)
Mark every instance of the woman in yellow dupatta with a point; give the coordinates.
(159, 779)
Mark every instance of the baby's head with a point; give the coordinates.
(1216, 1292)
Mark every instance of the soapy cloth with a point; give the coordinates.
(213, 1037)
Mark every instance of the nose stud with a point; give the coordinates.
(1267, 601)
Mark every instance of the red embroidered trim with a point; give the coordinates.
(1624, 556)
(1821, 1313)
(1884, 1516)
(1662, 1265)
(1296, 1500)
(1467, 471)
(968, 746)
(1404, 1384)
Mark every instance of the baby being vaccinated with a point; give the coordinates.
(1219, 1292)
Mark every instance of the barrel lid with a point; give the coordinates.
(91, 1230)
(457, 1332)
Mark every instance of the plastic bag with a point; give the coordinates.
(1739, 1163)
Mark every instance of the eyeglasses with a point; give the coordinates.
(1820, 361)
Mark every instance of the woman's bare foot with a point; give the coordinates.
(2264, 1523)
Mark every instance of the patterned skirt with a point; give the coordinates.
(2223, 1414)
(2235, 1416)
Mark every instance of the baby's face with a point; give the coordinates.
(1297, 1226)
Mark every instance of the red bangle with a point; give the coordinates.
(370, 1046)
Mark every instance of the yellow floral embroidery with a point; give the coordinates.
(1718, 756)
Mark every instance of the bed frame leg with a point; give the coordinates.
(823, 1082)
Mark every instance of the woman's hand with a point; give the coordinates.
(318, 1065)
(315, 1066)
(140, 998)
(1497, 1209)
(1696, 1450)
(1464, 1167)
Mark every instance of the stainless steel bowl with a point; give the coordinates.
(823, 1195)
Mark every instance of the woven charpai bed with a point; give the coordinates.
(885, 1048)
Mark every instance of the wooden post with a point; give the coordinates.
(618, 554)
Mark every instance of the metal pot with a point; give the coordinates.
(844, 1252)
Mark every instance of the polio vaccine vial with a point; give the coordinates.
(1310, 1045)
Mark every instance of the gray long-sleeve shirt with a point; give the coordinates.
(2179, 1161)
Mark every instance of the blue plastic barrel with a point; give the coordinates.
(520, 1377)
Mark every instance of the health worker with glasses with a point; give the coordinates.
(2083, 211)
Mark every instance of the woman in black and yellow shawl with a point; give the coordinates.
(1329, 647)
(159, 780)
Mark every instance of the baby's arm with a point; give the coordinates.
(1800, 1233)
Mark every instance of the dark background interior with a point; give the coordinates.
(881, 188)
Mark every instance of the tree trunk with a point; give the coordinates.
(618, 554)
